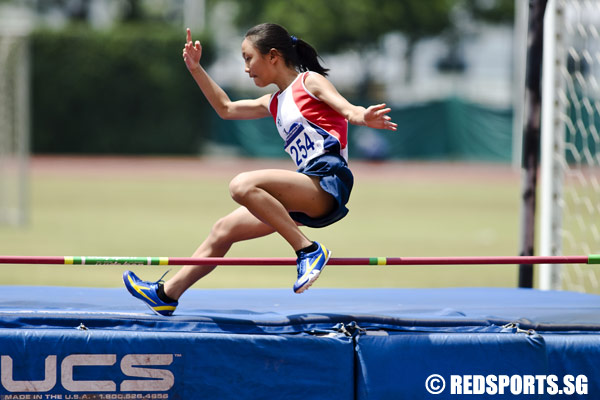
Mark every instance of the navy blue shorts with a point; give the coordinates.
(336, 179)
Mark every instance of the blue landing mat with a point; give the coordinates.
(82, 343)
(281, 311)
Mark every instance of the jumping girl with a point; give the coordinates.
(312, 119)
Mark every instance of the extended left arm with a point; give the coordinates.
(374, 116)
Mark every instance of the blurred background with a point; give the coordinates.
(448, 67)
(125, 157)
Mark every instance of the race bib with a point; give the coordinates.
(303, 144)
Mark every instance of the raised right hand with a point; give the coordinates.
(192, 52)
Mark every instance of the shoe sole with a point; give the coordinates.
(156, 312)
(308, 284)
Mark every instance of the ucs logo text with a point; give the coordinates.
(132, 366)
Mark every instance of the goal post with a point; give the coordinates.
(14, 118)
(570, 150)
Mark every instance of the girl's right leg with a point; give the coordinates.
(162, 298)
(238, 226)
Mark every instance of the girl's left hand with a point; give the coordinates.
(192, 52)
(376, 117)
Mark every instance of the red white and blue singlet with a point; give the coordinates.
(308, 126)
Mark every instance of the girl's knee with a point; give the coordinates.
(240, 187)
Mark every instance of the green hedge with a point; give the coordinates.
(124, 91)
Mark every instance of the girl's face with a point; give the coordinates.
(258, 66)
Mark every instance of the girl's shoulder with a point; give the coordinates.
(316, 83)
(313, 78)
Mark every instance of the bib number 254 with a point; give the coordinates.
(301, 148)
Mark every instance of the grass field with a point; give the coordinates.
(165, 207)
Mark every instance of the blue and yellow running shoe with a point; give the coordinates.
(310, 266)
(146, 292)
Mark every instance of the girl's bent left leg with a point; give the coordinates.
(271, 194)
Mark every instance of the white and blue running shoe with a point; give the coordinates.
(310, 266)
(146, 292)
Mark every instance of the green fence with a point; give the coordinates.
(450, 129)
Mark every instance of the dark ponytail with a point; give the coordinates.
(296, 52)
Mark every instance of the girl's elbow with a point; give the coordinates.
(224, 113)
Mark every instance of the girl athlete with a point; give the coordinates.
(312, 119)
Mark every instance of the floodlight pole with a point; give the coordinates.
(531, 136)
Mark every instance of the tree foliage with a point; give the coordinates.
(334, 25)
(491, 11)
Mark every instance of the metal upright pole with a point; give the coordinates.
(531, 136)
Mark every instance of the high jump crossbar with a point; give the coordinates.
(231, 261)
